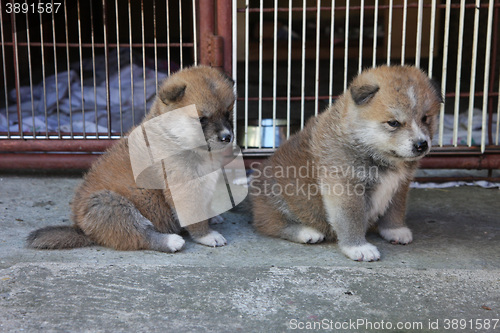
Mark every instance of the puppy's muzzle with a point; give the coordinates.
(225, 136)
(420, 147)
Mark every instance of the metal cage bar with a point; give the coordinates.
(415, 32)
(51, 54)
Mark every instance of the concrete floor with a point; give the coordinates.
(254, 284)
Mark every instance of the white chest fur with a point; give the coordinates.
(383, 193)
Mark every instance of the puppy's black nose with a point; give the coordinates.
(225, 137)
(421, 146)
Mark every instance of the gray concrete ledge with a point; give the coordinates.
(255, 283)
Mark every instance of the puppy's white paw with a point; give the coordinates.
(309, 235)
(401, 235)
(172, 243)
(216, 220)
(365, 252)
(213, 239)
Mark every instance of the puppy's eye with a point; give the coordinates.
(227, 114)
(394, 123)
(203, 120)
(424, 119)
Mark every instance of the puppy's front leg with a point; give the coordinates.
(391, 225)
(347, 216)
(195, 204)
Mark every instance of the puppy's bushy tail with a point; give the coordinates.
(52, 238)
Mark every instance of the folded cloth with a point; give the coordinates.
(56, 104)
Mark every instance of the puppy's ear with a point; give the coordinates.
(172, 94)
(228, 78)
(437, 89)
(363, 94)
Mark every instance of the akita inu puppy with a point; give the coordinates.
(351, 166)
(110, 209)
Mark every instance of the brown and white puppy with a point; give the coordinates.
(350, 167)
(109, 209)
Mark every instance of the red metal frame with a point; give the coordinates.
(79, 154)
(215, 28)
(224, 30)
(207, 29)
(71, 160)
(46, 161)
(215, 40)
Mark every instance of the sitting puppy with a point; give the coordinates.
(110, 209)
(351, 166)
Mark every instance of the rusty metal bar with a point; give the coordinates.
(326, 97)
(207, 28)
(83, 161)
(490, 161)
(224, 24)
(487, 161)
(94, 145)
(216, 52)
(436, 151)
(11, 158)
(44, 161)
(439, 179)
(76, 145)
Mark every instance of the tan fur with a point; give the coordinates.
(353, 135)
(109, 209)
